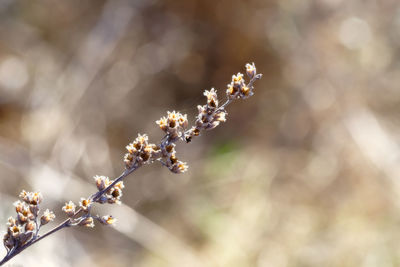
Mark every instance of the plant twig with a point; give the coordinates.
(23, 231)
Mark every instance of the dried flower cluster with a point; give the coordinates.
(26, 225)
(23, 231)
(140, 152)
(110, 193)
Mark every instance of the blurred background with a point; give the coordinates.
(305, 173)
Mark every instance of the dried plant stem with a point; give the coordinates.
(67, 223)
(23, 231)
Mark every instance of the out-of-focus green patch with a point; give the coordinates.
(207, 216)
(154, 260)
(221, 159)
(222, 148)
(212, 222)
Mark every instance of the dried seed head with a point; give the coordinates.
(19, 206)
(163, 123)
(220, 117)
(140, 152)
(21, 218)
(174, 124)
(30, 226)
(251, 70)
(69, 208)
(119, 185)
(146, 154)
(23, 194)
(47, 217)
(24, 212)
(212, 99)
(32, 198)
(128, 160)
(87, 222)
(231, 91)
(245, 92)
(101, 182)
(172, 119)
(142, 139)
(182, 120)
(114, 196)
(107, 220)
(15, 230)
(11, 221)
(36, 198)
(169, 149)
(237, 79)
(85, 203)
(155, 151)
(131, 148)
(179, 167)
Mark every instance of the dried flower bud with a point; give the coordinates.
(23, 194)
(131, 148)
(114, 196)
(85, 203)
(169, 150)
(172, 119)
(246, 91)
(21, 218)
(163, 123)
(11, 221)
(212, 100)
(182, 120)
(36, 198)
(32, 198)
(141, 140)
(139, 152)
(192, 132)
(69, 208)
(101, 182)
(128, 160)
(173, 124)
(19, 206)
(47, 216)
(251, 70)
(145, 154)
(15, 230)
(179, 167)
(237, 80)
(119, 185)
(232, 91)
(107, 220)
(87, 222)
(155, 151)
(201, 109)
(23, 212)
(221, 116)
(30, 226)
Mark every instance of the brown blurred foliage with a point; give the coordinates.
(305, 173)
